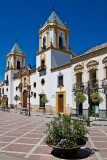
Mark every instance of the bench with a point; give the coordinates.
(25, 111)
(5, 108)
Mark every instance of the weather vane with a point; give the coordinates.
(53, 7)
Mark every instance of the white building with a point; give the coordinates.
(58, 73)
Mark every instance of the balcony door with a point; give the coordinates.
(78, 80)
(92, 77)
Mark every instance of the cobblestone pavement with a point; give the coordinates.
(22, 138)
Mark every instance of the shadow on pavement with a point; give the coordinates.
(81, 154)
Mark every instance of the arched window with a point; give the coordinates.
(44, 42)
(60, 43)
(18, 64)
(8, 64)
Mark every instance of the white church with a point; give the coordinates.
(58, 73)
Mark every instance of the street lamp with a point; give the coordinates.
(29, 96)
(88, 92)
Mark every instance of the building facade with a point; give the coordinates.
(58, 73)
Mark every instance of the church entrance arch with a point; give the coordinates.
(24, 99)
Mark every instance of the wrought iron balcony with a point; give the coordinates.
(78, 86)
(93, 83)
(6, 82)
(41, 68)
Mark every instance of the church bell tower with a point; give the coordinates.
(53, 33)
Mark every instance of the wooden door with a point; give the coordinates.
(24, 99)
(60, 103)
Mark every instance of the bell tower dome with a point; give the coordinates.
(53, 33)
(15, 58)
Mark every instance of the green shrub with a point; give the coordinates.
(96, 98)
(80, 97)
(64, 132)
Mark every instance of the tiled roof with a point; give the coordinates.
(16, 48)
(103, 45)
(54, 18)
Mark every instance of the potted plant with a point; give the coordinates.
(96, 98)
(80, 97)
(65, 134)
(44, 99)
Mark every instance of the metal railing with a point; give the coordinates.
(77, 86)
(41, 68)
(80, 85)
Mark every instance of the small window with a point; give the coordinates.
(18, 64)
(106, 72)
(34, 95)
(42, 62)
(60, 80)
(8, 65)
(60, 43)
(44, 42)
(42, 82)
(7, 89)
(34, 84)
(24, 82)
(2, 90)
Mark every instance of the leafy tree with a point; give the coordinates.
(2, 101)
(44, 99)
(16, 98)
(96, 98)
(80, 97)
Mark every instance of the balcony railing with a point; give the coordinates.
(93, 83)
(41, 68)
(77, 86)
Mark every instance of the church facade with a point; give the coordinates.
(58, 74)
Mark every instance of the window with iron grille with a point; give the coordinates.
(60, 80)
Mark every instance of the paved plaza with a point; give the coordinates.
(22, 138)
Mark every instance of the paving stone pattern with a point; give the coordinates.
(22, 138)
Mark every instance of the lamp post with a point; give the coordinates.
(29, 96)
(88, 89)
(88, 92)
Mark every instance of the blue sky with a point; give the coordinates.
(21, 19)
